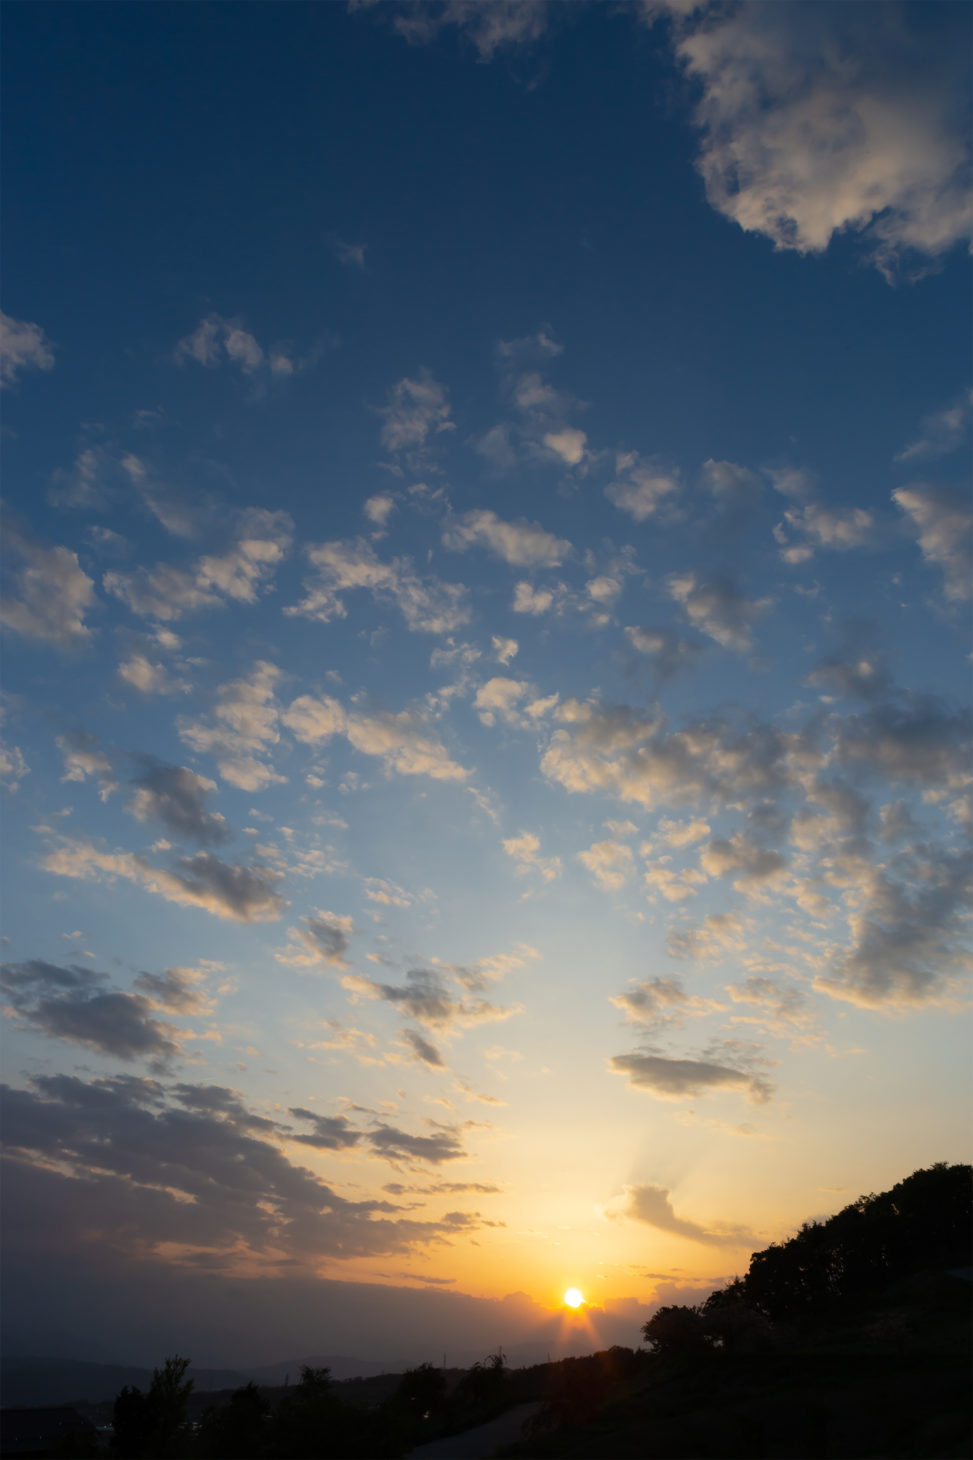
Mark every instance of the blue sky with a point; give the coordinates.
(487, 545)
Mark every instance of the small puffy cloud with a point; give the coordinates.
(498, 699)
(503, 649)
(525, 849)
(242, 730)
(23, 346)
(682, 833)
(610, 863)
(427, 998)
(149, 678)
(641, 489)
(661, 880)
(777, 1004)
(534, 601)
(378, 509)
(568, 444)
(176, 796)
(499, 25)
(680, 1079)
(718, 609)
(73, 1004)
(662, 1003)
(811, 526)
(426, 603)
(402, 741)
(717, 935)
(13, 766)
(652, 1205)
(82, 759)
(731, 485)
(669, 652)
(751, 864)
(240, 575)
(348, 253)
(323, 938)
(417, 408)
(244, 894)
(49, 596)
(831, 120)
(943, 523)
(216, 340)
(942, 431)
(522, 544)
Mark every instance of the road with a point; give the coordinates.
(478, 1443)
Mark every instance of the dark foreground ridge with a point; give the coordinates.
(849, 1341)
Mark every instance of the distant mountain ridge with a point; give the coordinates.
(30, 1380)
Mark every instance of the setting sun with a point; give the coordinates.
(573, 1298)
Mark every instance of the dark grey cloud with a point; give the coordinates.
(422, 1049)
(910, 939)
(854, 676)
(132, 1168)
(176, 796)
(72, 1004)
(331, 1132)
(329, 936)
(177, 989)
(677, 1079)
(237, 891)
(397, 1145)
(427, 998)
(914, 738)
(668, 651)
(653, 1206)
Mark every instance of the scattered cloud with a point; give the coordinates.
(73, 1004)
(943, 523)
(23, 346)
(680, 1079)
(48, 596)
(641, 489)
(718, 608)
(402, 741)
(610, 863)
(525, 849)
(652, 1205)
(324, 938)
(417, 409)
(217, 341)
(521, 544)
(942, 432)
(176, 796)
(427, 604)
(242, 730)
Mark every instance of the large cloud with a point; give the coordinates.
(820, 119)
(72, 1003)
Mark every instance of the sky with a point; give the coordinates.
(486, 687)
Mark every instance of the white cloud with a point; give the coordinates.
(755, 864)
(568, 444)
(240, 575)
(13, 766)
(82, 759)
(216, 339)
(402, 741)
(23, 346)
(427, 604)
(521, 544)
(610, 863)
(943, 523)
(148, 678)
(242, 730)
(50, 595)
(498, 698)
(814, 526)
(504, 649)
(942, 431)
(525, 849)
(822, 119)
(417, 408)
(641, 489)
(378, 509)
(535, 601)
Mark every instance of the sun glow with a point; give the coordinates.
(573, 1298)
